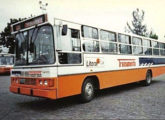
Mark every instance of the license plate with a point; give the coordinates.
(22, 81)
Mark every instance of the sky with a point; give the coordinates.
(108, 14)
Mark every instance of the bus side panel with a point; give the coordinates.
(114, 78)
(70, 85)
(158, 71)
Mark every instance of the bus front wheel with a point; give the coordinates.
(88, 91)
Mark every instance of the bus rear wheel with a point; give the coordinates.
(88, 91)
(148, 79)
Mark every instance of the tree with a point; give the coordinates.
(153, 35)
(137, 26)
(6, 38)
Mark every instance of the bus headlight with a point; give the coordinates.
(45, 82)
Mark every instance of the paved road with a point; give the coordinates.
(124, 102)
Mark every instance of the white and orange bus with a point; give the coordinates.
(57, 58)
(6, 63)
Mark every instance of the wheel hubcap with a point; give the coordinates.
(89, 89)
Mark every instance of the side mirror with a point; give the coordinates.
(64, 29)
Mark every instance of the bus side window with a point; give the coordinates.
(125, 44)
(162, 49)
(91, 46)
(75, 39)
(147, 48)
(107, 38)
(70, 58)
(89, 32)
(124, 38)
(125, 49)
(137, 45)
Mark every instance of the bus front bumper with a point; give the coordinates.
(51, 94)
(4, 70)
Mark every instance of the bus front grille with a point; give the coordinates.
(28, 81)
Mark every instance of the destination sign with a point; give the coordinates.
(29, 23)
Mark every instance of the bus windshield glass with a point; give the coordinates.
(6, 60)
(35, 46)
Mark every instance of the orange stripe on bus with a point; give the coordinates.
(71, 84)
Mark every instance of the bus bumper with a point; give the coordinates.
(51, 94)
(4, 70)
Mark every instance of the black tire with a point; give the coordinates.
(148, 79)
(87, 91)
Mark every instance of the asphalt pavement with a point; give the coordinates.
(132, 101)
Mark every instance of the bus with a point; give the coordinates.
(6, 63)
(57, 58)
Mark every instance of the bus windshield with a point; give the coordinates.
(6, 60)
(35, 46)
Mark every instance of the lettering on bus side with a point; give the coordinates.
(126, 62)
(94, 62)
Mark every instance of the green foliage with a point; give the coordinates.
(137, 26)
(6, 38)
(153, 35)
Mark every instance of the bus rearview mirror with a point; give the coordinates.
(64, 29)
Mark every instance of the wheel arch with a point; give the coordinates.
(94, 79)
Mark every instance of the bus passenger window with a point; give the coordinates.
(136, 41)
(125, 49)
(146, 43)
(124, 38)
(106, 35)
(162, 52)
(75, 39)
(155, 44)
(162, 49)
(147, 51)
(155, 51)
(137, 50)
(89, 32)
(108, 47)
(91, 46)
(69, 58)
(162, 45)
